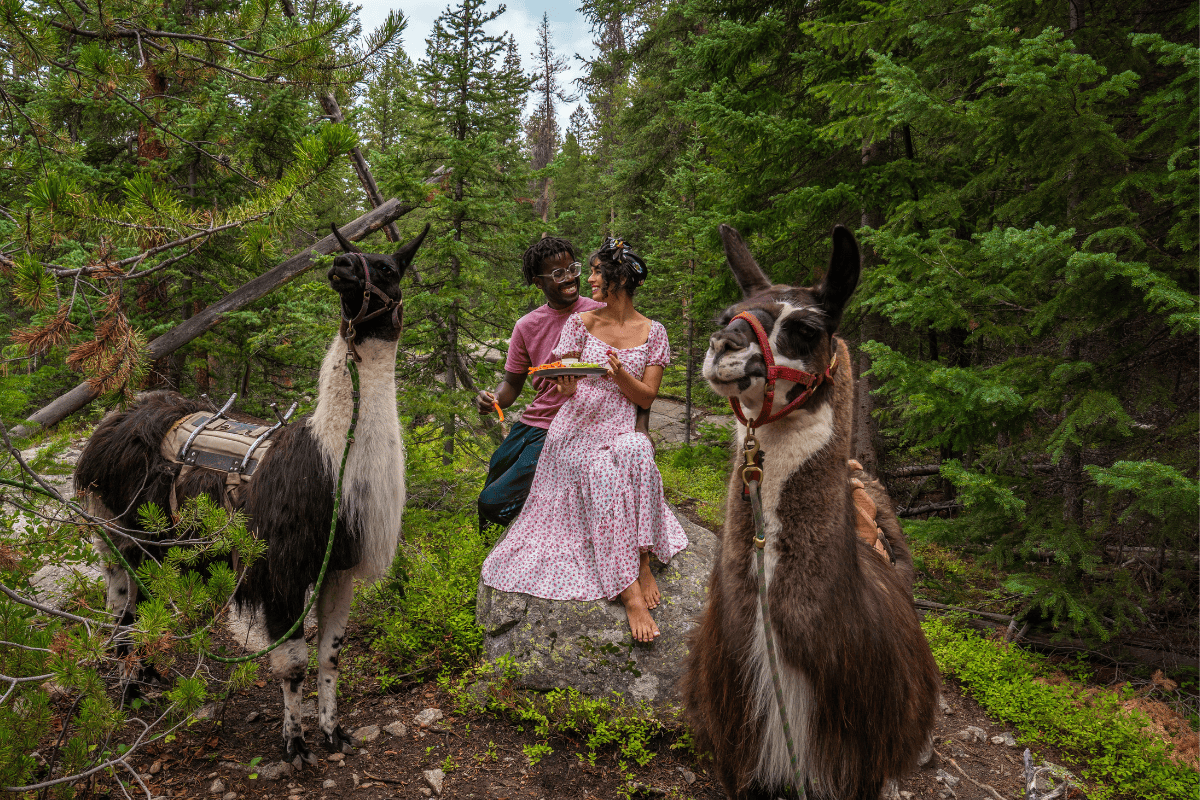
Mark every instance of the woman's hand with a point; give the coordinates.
(614, 365)
(566, 384)
(642, 392)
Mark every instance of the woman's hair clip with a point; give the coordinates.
(623, 255)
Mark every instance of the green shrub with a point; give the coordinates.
(422, 618)
(698, 474)
(599, 723)
(1120, 759)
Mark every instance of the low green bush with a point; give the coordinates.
(1117, 757)
(698, 475)
(600, 725)
(422, 617)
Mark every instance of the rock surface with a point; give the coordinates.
(587, 644)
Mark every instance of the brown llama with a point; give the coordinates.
(290, 501)
(859, 682)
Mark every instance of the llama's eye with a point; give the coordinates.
(797, 338)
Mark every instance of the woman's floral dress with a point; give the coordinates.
(597, 497)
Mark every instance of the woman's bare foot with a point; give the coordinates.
(647, 582)
(641, 624)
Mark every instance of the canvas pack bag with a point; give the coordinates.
(224, 446)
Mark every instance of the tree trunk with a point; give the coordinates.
(691, 356)
(865, 438)
(452, 334)
(177, 337)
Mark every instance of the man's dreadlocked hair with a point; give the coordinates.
(542, 249)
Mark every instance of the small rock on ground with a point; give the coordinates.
(397, 729)
(972, 734)
(948, 780)
(427, 717)
(435, 778)
(276, 771)
(217, 787)
(365, 734)
(329, 783)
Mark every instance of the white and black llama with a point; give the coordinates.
(289, 503)
(859, 682)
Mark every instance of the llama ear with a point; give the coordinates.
(745, 269)
(840, 281)
(405, 254)
(347, 247)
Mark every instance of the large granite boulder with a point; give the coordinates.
(587, 645)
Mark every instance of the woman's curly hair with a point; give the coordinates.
(617, 263)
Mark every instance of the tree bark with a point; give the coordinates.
(177, 337)
(330, 104)
(866, 430)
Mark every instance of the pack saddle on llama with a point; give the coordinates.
(130, 460)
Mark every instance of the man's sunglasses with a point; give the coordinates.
(564, 274)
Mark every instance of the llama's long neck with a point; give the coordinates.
(373, 490)
(804, 488)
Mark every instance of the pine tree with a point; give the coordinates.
(157, 156)
(1030, 238)
(473, 90)
(580, 206)
(542, 128)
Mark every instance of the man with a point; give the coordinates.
(550, 264)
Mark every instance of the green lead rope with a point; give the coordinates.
(337, 505)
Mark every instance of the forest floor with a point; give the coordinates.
(482, 757)
(235, 750)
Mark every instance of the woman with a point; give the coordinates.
(596, 511)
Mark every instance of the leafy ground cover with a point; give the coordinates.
(415, 646)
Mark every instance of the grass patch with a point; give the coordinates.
(696, 478)
(1120, 759)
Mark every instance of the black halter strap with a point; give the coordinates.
(348, 331)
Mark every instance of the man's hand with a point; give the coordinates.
(567, 384)
(484, 402)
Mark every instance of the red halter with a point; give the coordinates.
(810, 380)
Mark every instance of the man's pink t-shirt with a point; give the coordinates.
(533, 337)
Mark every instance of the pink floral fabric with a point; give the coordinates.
(597, 497)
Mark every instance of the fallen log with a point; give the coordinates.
(948, 505)
(67, 404)
(1115, 652)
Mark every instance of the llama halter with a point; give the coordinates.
(810, 380)
(348, 325)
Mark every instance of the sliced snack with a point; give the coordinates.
(556, 369)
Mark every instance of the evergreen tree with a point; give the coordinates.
(542, 128)
(472, 93)
(580, 206)
(1042, 237)
(156, 156)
